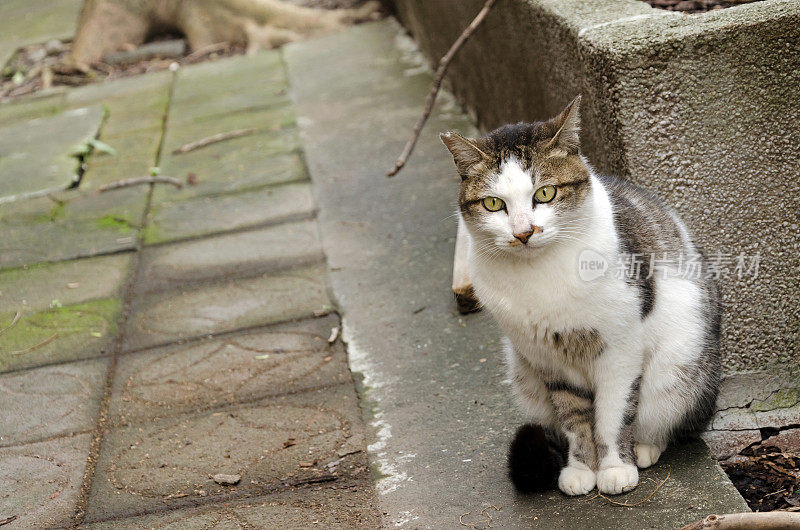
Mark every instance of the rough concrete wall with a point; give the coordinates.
(524, 63)
(704, 109)
(710, 118)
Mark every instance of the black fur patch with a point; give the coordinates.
(534, 459)
(563, 386)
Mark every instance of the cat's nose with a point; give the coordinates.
(524, 236)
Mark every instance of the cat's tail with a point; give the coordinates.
(535, 458)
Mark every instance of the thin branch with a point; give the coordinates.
(45, 342)
(212, 140)
(444, 64)
(748, 521)
(13, 323)
(34, 194)
(8, 520)
(125, 183)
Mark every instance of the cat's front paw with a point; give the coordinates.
(575, 480)
(646, 454)
(618, 479)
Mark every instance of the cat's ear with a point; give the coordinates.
(466, 152)
(568, 127)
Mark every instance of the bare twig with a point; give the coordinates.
(774, 493)
(8, 520)
(628, 505)
(483, 512)
(487, 514)
(45, 342)
(212, 140)
(33, 194)
(748, 521)
(444, 64)
(125, 183)
(13, 323)
(324, 477)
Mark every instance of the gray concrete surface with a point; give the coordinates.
(440, 411)
(701, 108)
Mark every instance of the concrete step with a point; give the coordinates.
(431, 380)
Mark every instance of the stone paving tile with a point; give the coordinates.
(287, 439)
(235, 84)
(135, 155)
(342, 506)
(69, 225)
(235, 165)
(39, 154)
(65, 333)
(243, 253)
(133, 103)
(234, 368)
(40, 105)
(725, 444)
(40, 482)
(136, 108)
(208, 215)
(196, 311)
(36, 287)
(779, 417)
(273, 118)
(51, 401)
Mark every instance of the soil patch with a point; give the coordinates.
(38, 67)
(768, 478)
(696, 6)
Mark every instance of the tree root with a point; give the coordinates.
(106, 26)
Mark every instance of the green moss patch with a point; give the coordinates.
(782, 399)
(58, 334)
(114, 222)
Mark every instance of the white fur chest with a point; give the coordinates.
(531, 299)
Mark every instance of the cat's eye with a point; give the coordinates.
(493, 204)
(545, 194)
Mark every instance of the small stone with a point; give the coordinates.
(686, 5)
(54, 47)
(37, 54)
(227, 480)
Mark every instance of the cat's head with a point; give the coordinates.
(523, 186)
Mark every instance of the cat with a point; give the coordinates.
(610, 362)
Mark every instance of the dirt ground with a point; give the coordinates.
(38, 67)
(696, 6)
(768, 478)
